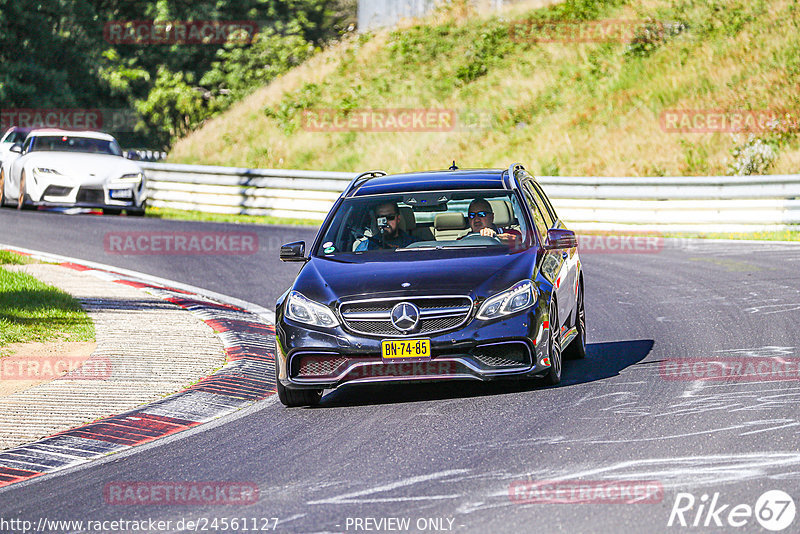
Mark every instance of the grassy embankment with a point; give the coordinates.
(563, 108)
(31, 311)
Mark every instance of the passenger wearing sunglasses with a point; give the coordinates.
(481, 221)
(389, 234)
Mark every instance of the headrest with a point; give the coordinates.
(407, 221)
(450, 221)
(502, 212)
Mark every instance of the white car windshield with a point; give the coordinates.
(67, 143)
(438, 220)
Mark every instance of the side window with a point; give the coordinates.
(546, 205)
(538, 219)
(537, 200)
(27, 146)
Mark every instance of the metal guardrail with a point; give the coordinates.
(703, 203)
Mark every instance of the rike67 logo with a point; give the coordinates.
(774, 510)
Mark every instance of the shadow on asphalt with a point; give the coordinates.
(603, 360)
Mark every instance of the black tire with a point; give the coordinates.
(135, 212)
(577, 347)
(112, 211)
(553, 375)
(296, 398)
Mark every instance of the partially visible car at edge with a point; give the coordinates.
(452, 304)
(73, 169)
(12, 136)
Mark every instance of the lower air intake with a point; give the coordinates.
(503, 355)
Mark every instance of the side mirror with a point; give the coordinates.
(16, 147)
(294, 251)
(558, 238)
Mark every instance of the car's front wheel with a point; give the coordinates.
(553, 375)
(22, 203)
(295, 398)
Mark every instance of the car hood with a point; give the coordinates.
(81, 165)
(326, 280)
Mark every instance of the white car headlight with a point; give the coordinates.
(45, 170)
(134, 178)
(303, 310)
(520, 296)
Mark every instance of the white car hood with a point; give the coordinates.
(83, 166)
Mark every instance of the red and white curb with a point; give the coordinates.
(248, 336)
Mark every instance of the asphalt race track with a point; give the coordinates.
(444, 456)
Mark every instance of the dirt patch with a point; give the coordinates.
(31, 364)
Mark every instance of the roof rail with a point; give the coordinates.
(512, 177)
(361, 178)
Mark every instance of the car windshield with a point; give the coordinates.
(68, 143)
(440, 220)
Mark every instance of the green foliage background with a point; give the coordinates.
(54, 55)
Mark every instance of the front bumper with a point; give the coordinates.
(513, 347)
(64, 193)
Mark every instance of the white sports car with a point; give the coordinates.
(76, 169)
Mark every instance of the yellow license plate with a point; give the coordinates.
(406, 350)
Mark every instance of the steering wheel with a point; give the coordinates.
(473, 235)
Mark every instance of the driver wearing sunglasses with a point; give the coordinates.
(481, 221)
(389, 234)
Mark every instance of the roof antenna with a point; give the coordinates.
(454, 167)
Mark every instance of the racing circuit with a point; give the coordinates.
(446, 456)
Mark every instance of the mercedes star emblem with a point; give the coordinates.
(405, 316)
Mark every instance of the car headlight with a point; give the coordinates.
(520, 296)
(303, 310)
(131, 178)
(45, 170)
